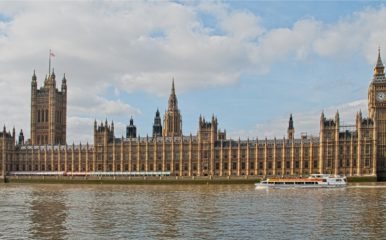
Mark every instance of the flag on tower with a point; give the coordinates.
(49, 62)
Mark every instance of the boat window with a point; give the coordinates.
(338, 180)
(324, 180)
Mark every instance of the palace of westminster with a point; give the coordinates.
(358, 150)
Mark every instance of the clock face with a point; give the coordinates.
(381, 96)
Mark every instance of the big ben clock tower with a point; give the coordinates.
(377, 112)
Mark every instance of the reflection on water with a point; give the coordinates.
(47, 213)
(191, 212)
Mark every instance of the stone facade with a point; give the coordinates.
(353, 150)
(172, 119)
(48, 111)
(7, 149)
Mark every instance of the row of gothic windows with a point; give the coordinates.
(42, 139)
(43, 116)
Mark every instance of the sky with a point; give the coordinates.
(250, 63)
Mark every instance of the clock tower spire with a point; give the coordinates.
(377, 112)
(379, 69)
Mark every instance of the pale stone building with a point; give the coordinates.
(354, 150)
(48, 111)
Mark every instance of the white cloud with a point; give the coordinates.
(81, 130)
(101, 107)
(361, 33)
(283, 43)
(242, 25)
(104, 45)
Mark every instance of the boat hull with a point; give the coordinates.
(313, 181)
(284, 186)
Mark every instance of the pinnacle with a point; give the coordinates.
(379, 60)
(173, 89)
(379, 68)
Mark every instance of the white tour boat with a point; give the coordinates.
(313, 181)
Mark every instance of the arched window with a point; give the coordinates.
(46, 115)
(38, 115)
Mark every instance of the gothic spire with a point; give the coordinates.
(172, 120)
(291, 129)
(379, 68)
(173, 90)
(173, 99)
(34, 76)
(291, 123)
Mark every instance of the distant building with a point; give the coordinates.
(353, 150)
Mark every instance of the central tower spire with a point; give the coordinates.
(173, 103)
(172, 119)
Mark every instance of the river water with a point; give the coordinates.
(191, 212)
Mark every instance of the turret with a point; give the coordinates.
(21, 137)
(337, 117)
(53, 78)
(337, 124)
(50, 81)
(322, 118)
(34, 82)
(157, 127)
(103, 133)
(207, 131)
(64, 83)
(291, 129)
(13, 136)
(358, 119)
(131, 130)
(33, 108)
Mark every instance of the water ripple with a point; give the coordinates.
(191, 212)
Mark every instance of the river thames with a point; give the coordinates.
(191, 212)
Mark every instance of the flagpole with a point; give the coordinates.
(49, 63)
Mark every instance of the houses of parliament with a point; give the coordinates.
(357, 150)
